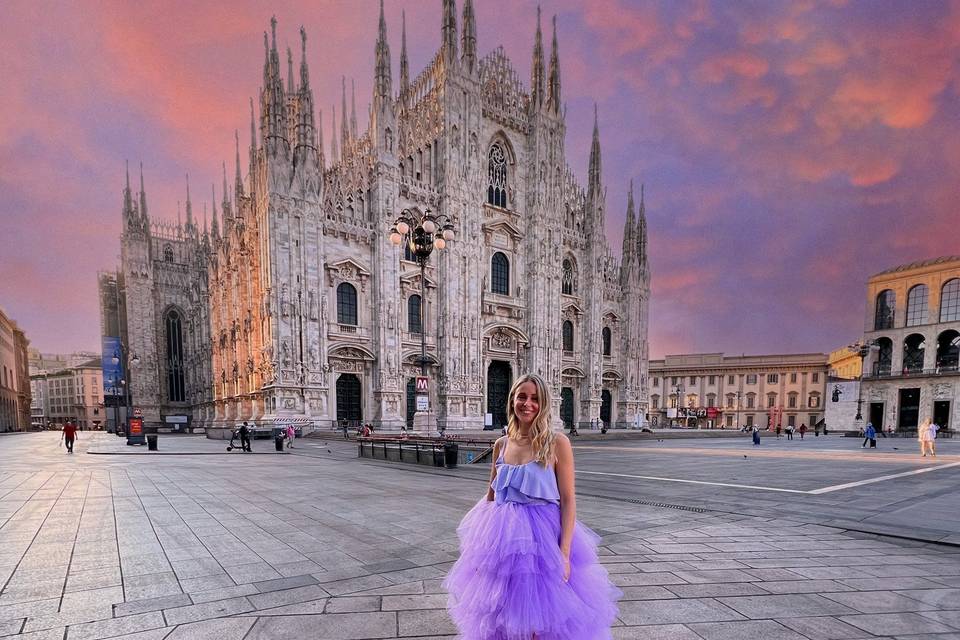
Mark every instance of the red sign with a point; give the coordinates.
(713, 412)
(136, 426)
(423, 383)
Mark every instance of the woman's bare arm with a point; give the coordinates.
(568, 497)
(493, 467)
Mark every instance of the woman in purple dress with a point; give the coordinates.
(527, 568)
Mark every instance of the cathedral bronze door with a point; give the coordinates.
(566, 407)
(499, 380)
(411, 401)
(349, 400)
(606, 406)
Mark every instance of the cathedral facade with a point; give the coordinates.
(295, 306)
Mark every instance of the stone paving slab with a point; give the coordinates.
(186, 547)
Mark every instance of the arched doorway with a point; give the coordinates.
(499, 380)
(914, 347)
(411, 401)
(606, 406)
(349, 403)
(566, 407)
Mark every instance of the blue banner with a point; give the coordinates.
(112, 372)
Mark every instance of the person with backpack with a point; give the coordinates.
(245, 437)
(870, 435)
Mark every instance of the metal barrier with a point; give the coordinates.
(434, 452)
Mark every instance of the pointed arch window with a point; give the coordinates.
(950, 301)
(414, 318)
(167, 253)
(176, 388)
(500, 274)
(568, 283)
(917, 305)
(347, 304)
(497, 176)
(567, 335)
(606, 340)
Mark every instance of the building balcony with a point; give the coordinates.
(912, 372)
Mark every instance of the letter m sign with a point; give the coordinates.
(423, 382)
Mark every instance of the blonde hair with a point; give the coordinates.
(541, 430)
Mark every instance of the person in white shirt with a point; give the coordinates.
(927, 435)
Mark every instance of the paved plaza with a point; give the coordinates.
(705, 543)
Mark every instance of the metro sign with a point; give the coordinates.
(423, 384)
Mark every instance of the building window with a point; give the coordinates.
(176, 390)
(914, 348)
(793, 378)
(497, 176)
(917, 305)
(814, 400)
(414, 319)
(751, 401)
(792, 400)
(948, 350)
(673, 380)
(950, 301)
(729, 421)
(712, 380)
(730, 379)
(771, 400)
(167, 253)
(693, 379)
(656, 382)
(791, 421)
(886, 304)
(813, 419)
(408, 254)
(567, 335)
(815, 378)
(749, 419)
(773, 378)
(711, 400)
(500, 274)
(655, 402)
(752, 378)
(606, 341)
(568, 285)
(347, 304)
(730, 399)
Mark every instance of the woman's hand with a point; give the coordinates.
(566, 566)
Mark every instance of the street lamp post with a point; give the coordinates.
(738, 409)
(862, 349)
(123, 356)
(678, 392)
(423, 231)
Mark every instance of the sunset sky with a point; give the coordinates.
(789, 149)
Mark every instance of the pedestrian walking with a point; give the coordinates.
(527, 568)
(927, 435)
(245, 438)
(291, 434)
(756, 436)
(869, 435)
(68, 435)
(789, 432)
(778, 432)
(803, 429)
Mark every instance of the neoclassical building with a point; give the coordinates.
(913, 325)
(294, 305)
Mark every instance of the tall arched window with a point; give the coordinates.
(567, 335)
(606, 341)
(500, 274)
(567, 287)
(414, 319)
(407, 251)
(948, 350)
(886, 303)
(917, 305)
(950, 301)
(176, 389)
(914, 347)
(167, 253)
(347, 304)
(884, 357)
(497, 176)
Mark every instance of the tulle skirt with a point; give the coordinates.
(508, 583)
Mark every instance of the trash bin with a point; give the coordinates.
(151, 442)
(278, 442)
(451, 451)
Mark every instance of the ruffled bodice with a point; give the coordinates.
(525, 483)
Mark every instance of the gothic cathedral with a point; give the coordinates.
(295, 306)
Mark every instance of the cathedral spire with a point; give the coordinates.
(449, 32)
(334, 151)
(127, 194)
(594, 173)
(215, 224)
(469, 38)
(382, 89)
(225, 204)
(290, 83)
(641, 233)
(323, 161)
(404, 65)
(344, 126)
(553, 84)
(253, 155)
(189, 225)
(536, 73)
(353, 110)
(237, 178)
(304, 71)
(143, 197)
(629, 227)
